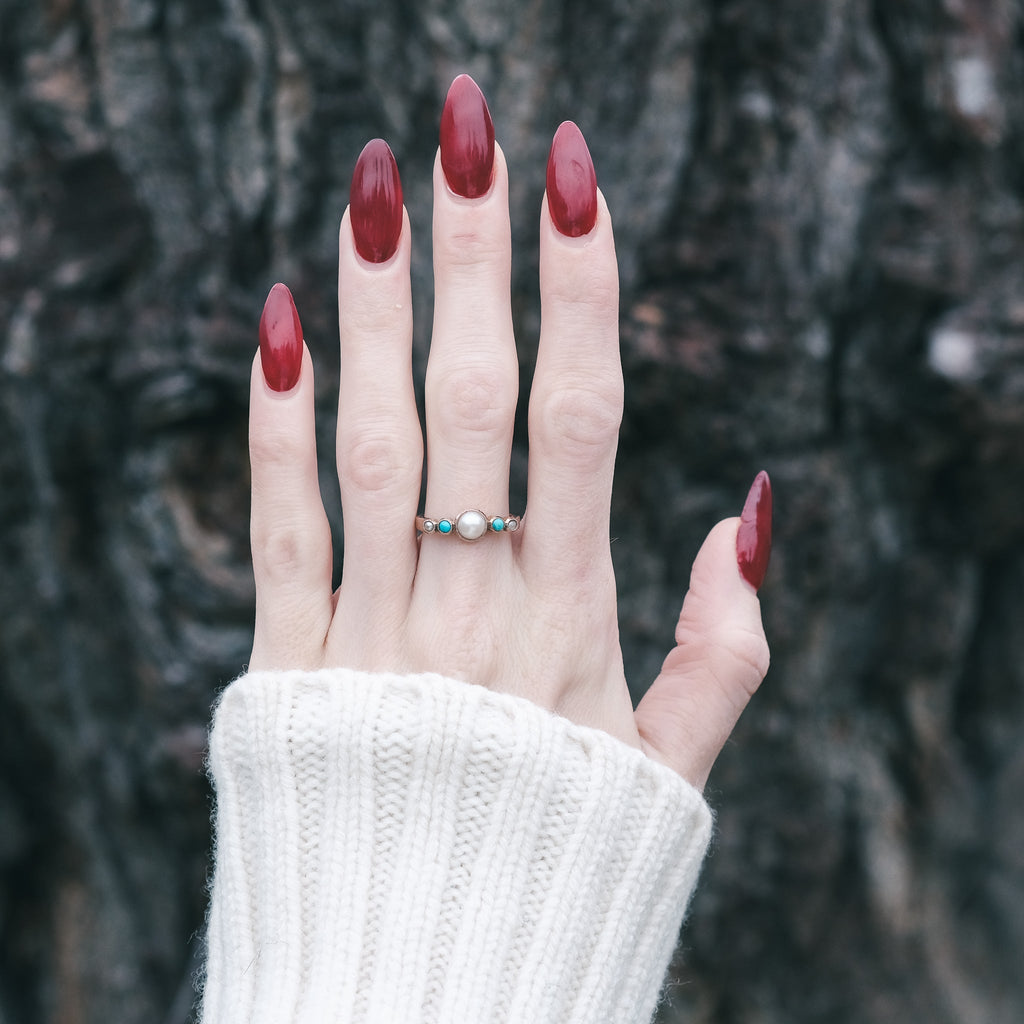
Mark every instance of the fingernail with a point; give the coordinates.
(754, 539)
(571, 182)
(280, 340)
(375, 202)
(467, 139)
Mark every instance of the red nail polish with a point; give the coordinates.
(571, 182)
(280, 340)
(754, 539)
(467, 139)
(375, 202)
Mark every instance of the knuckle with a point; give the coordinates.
(589, 294)
(284, 552)
(740, 659)
(735, 654)
(374, 315)
(473, 249)
(477, 399)
(753, 651)
(276, 448)
(582, 417)
(373, 462)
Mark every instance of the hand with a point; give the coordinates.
(531, 612)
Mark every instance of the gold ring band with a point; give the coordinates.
(469, 525)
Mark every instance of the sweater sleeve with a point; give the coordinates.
(419, 850)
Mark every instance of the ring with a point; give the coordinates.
(469, 525)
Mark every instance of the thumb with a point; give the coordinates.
(721, 653)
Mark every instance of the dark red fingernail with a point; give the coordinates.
(375, 202)
(571, 183)
(280, 340)
(467, 139)
(754, 539)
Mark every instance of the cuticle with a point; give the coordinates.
(473, 200)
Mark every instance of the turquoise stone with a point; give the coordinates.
(497, 524)
(444, 526)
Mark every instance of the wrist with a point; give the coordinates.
(388, 844)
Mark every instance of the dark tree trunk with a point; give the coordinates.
(819, 219)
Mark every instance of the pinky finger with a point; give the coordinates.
(290, 535)
(721, 654)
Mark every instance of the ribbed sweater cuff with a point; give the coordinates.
(415, 849)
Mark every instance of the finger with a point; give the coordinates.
(379, 444)
(576, 398)
(291, 539)
(472, 373)
(720, 659)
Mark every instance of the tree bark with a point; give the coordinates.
(820, 228)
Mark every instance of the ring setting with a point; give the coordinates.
(469, 525)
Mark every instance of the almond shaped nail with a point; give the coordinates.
(280, 340)
(754, 538)
(467, 140)
(375, 203)
(571, 182)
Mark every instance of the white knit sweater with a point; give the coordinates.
(411, 850)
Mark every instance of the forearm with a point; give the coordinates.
(416, 849)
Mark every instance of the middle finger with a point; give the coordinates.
(472, 372)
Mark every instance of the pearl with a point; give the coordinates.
(428, 525)
(512, 525)
(471, 525)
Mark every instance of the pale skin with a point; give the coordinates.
(531, 613)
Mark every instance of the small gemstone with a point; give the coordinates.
(429, 525)
(512, 525)
(497, 524)
(444, 526)
(471, 525)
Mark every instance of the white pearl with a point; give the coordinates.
(471, 525)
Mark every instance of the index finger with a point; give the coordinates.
(576, 398)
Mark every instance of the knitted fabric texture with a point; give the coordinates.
(419, 850)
